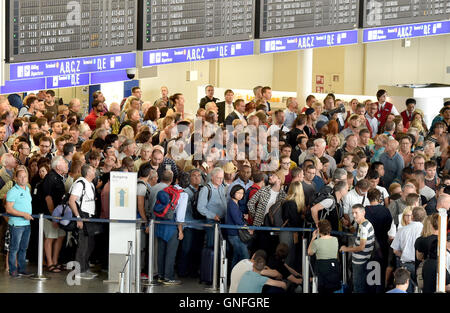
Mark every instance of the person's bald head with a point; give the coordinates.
(114, 108)
(443, 202)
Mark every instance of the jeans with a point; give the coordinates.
(359, 277)
(240, 250)
(20, 236)
(167, 251)
(191, 251)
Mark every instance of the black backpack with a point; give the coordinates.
(274, 218)
(196, 215)
(325, 193)
(146, 197)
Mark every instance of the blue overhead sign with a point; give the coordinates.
(292, 43)
(65, 81)
(72, 66)
(406, 31)
(22, 86)
(197, 53)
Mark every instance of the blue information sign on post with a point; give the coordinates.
(197, 53)
(72, 66)
(293, 43)
(406, 31)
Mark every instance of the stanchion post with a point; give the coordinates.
(344, 268)
(40, 274)
(137, 284)
(151, 252)
(315, 283)
(216, 256)
(129, 267)
(223, 268)
(305, 266)
(442, 251)
(121, 282)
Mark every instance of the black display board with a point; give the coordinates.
(178, 23)
(297, 17)
(49, 29)
(378, 13)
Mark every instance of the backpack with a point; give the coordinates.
(168, 212)
(196, 215)
(3, 199)
(146, 198)
(325, 193)
(274, 217)
(63, 210)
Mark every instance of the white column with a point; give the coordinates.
(442, 250)
(304, 75)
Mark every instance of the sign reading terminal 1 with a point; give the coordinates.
(197, 53)
(406, 31)
(293, 43)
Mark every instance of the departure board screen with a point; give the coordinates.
(297, 17)
(48, 29)
(387, 12)
(178, 23)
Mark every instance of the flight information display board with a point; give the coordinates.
(49, 29)
(387, 12)
(297, 17)
(179, 23)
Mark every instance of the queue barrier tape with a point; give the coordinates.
(224, 226)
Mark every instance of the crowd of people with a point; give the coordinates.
(359, 168)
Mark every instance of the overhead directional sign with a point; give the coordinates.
(197, 53)
(406, 31)
(72, 66)
(308, 41)
(22, 85)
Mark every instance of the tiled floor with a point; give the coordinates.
(57, 284)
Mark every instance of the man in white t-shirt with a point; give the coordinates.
(358, 195)
(82, 204)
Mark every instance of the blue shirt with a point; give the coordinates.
(251, 282)
(217, 204)
(189, 208)
(392, 168)
(234, 217)
(22, 202)
(396, 290)
(289, 118)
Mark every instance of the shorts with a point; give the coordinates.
(50, 232)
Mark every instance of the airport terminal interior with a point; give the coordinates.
(112, 83)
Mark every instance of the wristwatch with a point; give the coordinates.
(78, 216)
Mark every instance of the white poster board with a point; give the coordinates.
(122, 206)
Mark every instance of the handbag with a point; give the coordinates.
(245, 235)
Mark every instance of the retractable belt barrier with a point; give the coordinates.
(224, 226)
(141, 224)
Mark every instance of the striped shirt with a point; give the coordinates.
(365, 232)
